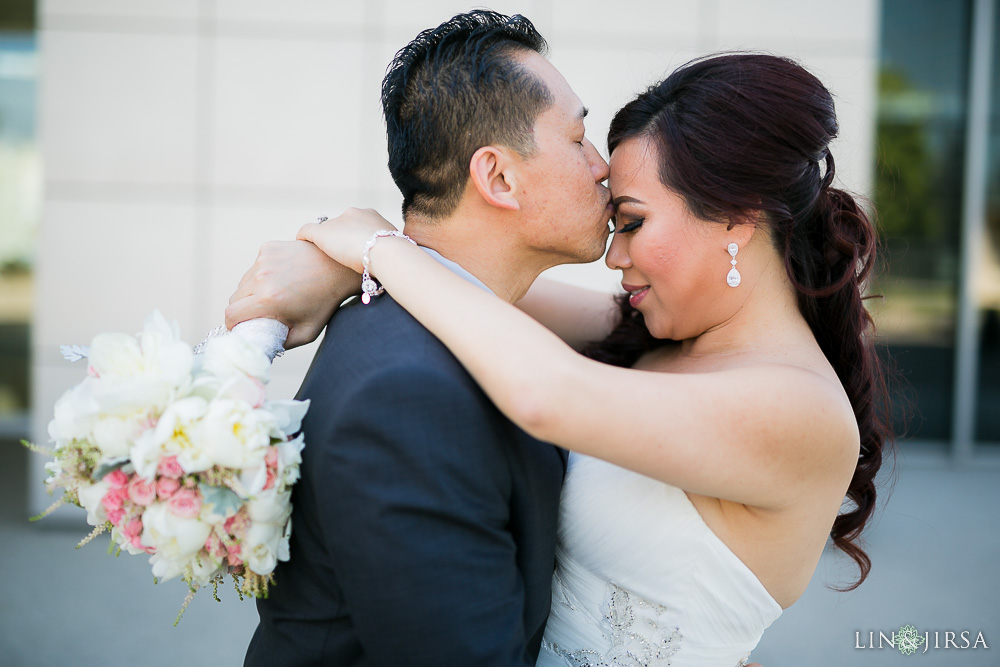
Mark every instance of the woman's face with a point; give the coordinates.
(673, 263)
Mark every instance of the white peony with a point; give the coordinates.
(232, 355)
(178, 433)
(114, 434)
(288, 416)
(144, 454)
(75, 412)
(235, 435)
(175, 539)
(115, 355)
(138, 373)
(244, 388)
(252, 480)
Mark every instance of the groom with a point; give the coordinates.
(425, 521)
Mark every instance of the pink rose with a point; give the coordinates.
(237, 524)
(115, 516)
(233, 560)
(166, 486)
(185, 503)
(214, 546)
(132, 529)
(271, 458)
(169, 467)
(117, 479)
(141, 492)
(114, 499)
(271, 476)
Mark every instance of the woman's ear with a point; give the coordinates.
(493, 173)
(741, 227)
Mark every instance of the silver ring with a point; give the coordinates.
(320, 220)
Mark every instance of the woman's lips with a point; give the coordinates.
(636, 293)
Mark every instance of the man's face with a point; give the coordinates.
(565, 205)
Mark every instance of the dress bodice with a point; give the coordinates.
(641, 580)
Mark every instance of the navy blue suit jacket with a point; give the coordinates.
(424, 524)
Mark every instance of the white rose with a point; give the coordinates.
(90, 496)
(289, 459)
(165, 569)
(175, 539)
(229, 355)
(234, 435)
(260, 547)
(125, 543)
(270, 507)
(286, 534)
(206, 566)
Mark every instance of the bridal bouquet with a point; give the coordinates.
(178, 453)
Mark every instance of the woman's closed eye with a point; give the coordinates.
(630, 226)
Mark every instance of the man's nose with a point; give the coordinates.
(597, 164)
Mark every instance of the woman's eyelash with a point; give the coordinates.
(631, 226)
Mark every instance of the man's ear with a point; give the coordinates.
(492, 171)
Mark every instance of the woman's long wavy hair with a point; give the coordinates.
(742, 134)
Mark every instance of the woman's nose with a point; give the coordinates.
(617, 257)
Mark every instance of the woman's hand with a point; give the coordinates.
(295, 283)
(343, 238)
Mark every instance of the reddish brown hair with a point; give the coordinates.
(742, 134)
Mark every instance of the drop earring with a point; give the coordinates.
(733, 278)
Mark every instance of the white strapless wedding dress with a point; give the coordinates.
(641, 580)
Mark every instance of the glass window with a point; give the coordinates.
(987, 283)
(923, 72)
(20, 197)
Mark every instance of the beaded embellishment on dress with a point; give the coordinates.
(635, 627)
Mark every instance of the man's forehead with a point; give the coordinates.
(565, 102)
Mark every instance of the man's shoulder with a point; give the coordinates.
(382, 344)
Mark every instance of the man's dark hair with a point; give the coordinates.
(451, 91)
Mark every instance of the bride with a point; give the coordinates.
(733, 405)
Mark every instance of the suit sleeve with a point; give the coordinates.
(416, 502)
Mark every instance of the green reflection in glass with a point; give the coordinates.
(20, 201)
(918, 195)
(987, 282)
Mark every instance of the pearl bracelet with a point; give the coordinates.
(369, 287)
